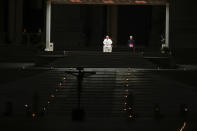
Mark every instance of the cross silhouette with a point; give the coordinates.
(80, 74)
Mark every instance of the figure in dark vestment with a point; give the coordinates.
(131, 43)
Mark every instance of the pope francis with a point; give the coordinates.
(107, 44)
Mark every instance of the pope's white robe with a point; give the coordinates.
(107, 45)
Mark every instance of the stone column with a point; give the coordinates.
(167, 25)
(112, 22)
(48, 24)
(108, 20)
(155, 33)
(2, 13)
(19, 21)
(11, 20)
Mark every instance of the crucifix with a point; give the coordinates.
(80, 74)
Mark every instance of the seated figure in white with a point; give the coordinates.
(107, 44)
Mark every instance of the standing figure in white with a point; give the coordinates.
(107, 44)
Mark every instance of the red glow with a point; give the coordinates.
(108, 1)
(75, 1)
(140, 2)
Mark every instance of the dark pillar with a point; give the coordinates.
(2, 6)
(155, 34)
(15, 21)
(95, 19)
(112, 22)
(19, 21)
(11, 20)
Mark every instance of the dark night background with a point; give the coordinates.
(146, 23)
(78, 87)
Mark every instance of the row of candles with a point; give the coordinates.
(127, 107)
(130, 110)
(29, 110)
